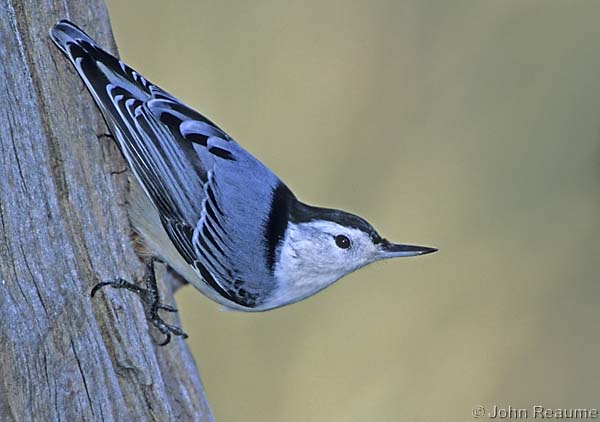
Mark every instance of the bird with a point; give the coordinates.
(210, 210)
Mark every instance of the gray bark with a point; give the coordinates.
(64, 228)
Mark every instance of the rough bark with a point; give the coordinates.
(64, 228)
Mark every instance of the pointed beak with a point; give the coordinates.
(394, 250)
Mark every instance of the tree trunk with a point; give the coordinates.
(64, 228)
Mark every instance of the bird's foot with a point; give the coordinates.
(151, 300)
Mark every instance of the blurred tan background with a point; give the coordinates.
(472, 126)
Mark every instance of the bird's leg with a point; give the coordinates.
(150, 298)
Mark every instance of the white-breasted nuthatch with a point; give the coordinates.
(211, 211)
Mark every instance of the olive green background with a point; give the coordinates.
(472, 126)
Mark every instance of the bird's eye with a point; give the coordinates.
(342, 241)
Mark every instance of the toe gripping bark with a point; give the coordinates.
(150, 299)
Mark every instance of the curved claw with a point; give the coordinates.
(99, 286)
(167, 340)
(167, 330)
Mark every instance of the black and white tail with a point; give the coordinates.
(140, 116)
(97, 67)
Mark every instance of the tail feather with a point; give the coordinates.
(98, 67)
(154, 152)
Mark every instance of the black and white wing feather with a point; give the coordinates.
(209, 192)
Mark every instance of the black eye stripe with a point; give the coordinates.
(342, 241)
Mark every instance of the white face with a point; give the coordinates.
(317, 253)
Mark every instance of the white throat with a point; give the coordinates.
(296, 280)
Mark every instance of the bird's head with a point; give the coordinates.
(322, 245)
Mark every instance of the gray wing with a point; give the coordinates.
(213, 197)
